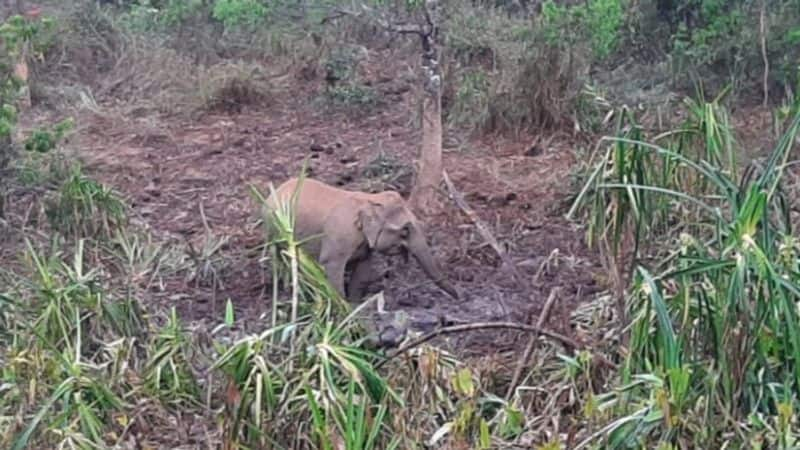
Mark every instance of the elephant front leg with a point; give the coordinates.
(333, 258)
(334, 269)
(362, 276)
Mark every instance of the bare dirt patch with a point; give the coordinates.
(172, 171)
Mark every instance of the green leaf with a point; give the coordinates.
(514, 421)
(485, 435)
(462, 383)
(229, 313)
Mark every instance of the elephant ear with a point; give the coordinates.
(370, 223)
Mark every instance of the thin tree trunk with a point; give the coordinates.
(5, 158)
(763, 29)
(430, 162)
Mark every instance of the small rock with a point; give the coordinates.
(534, 150)
(344, 179)
(317, 147)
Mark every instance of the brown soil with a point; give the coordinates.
(172, 170)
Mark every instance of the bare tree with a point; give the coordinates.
(430, 171)
(426, 28)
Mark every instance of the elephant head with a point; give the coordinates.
(390, 228)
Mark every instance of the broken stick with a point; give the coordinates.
(483, 229)
(532, 342)
(564, 340)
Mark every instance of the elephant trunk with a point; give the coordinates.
(422, 253)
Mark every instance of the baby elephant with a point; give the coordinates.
(347, 227)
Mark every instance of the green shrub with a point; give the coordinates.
(84, 207)
(238, 13)
(43, 140)
(351, 96)
(599, 21)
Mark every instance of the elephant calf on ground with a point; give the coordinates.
(348, 227)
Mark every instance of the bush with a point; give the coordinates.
(598, 21)
(232, 86)
(238, 13)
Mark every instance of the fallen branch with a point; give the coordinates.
(532, 342)
(564, 340)
(483, 229)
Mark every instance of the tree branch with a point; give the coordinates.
(369, 14)
(526, 356)
(564, 340)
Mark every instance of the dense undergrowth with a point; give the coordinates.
(712, 359)
(702, 251)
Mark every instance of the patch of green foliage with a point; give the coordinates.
(351, 96)
(238, 13)
(598, 21)
(147, 15)
(714, 39)
(154, 15)
(16, 35)
(42, 140)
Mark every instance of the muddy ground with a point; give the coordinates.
(177, 172)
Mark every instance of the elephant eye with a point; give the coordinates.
(405, 231)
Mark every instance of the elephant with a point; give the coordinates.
(347, 228)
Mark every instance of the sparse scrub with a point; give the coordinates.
(386, 172)
(345, 87)
(42, 165)
(470, 107)
(509, 74)
(230, 87)
(15, 35)
(352, 98)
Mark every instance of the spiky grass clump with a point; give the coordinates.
(714, 343)
(84, 207)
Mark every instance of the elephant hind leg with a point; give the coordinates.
(362, 275)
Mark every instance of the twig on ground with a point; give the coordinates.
(545, 265)
(532, 342)
(564, 340)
